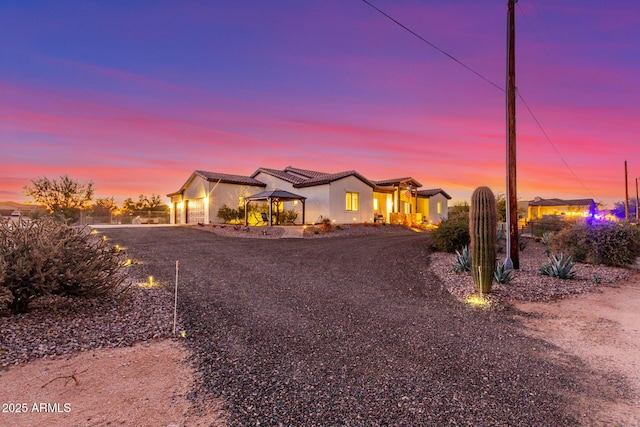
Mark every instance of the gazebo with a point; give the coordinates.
(272, 196)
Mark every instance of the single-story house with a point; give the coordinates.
(343, 197)
(576, 207)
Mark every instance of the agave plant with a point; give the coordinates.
(502, 275)
(463, 261)
(559, 266)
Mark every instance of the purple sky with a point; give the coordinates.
(136, 95)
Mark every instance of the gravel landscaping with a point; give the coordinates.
(363, 329)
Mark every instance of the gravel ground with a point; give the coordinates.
(362, 330)
(527, 283)
(56, 327)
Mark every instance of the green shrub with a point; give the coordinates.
(230, 215)
(610, 244)
(559, 266)
(452, 234)
(44, 256)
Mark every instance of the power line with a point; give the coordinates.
(552, 144)
(468, 68)
(436, 47)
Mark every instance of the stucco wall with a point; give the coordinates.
(317, 203)
(274, 183)
(337, 201)
(435, 217)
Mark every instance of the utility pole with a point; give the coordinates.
(513, 255)
(637, 201)
(626, 193)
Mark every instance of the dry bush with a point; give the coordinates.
(611, 244)
(45, 256)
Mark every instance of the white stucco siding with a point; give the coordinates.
(197, 189)
(317, 203)
(438, 208)
(337, 201)
(231, 195)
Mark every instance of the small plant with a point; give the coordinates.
(326, 225)
(522, 244)
(463, 261)
(502, 275)
(559, 266)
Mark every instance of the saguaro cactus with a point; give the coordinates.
(482, 230)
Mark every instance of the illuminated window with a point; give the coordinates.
(375, 204)
(241, 201)
(439, 207)
(352, 201)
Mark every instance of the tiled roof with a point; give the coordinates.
(283, 175)
(308, 178)
(228, 178)
(560, 202)
(325, 179)
(219, 177)
(305, 172)
(432, 192)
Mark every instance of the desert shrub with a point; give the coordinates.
(288, 216)
(230, 215)
(522, 243)
(548, 224)
(326, 225)
(559, 266)
(452, 234)
(610, 244)
(45, 256)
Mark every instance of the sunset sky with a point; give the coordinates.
(135, 95)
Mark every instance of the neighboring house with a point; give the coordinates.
(578, 207)
(343, 197)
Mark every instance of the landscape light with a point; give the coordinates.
(478, 301)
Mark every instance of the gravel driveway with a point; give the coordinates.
(348, 332)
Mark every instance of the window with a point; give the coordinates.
(352, 201)
(439, 207)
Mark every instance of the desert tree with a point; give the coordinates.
(65, 196)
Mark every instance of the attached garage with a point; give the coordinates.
(195, 211)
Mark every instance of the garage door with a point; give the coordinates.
(195, 211)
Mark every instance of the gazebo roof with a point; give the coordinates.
(275, 194)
